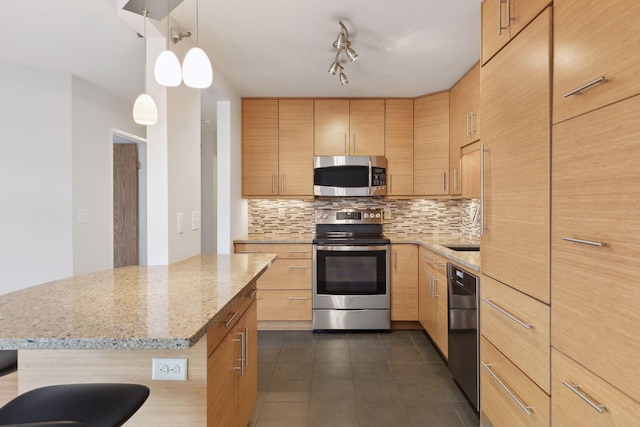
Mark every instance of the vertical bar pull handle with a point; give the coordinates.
(576, 389)
(444, 182)
(345, 143)
(354, 143)
(499, 17)
(482, 188)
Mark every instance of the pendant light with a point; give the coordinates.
(167, 69)
(145, 111)
(196, 67)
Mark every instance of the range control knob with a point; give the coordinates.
(378, 216)
(325, 216)
(366, 215)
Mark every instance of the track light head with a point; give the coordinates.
(351, 54)
(343, 79)
(335, 67)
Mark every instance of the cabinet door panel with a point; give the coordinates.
(366, 124)
(292, 304)
(248, 382)
(515, 131)
(222, 383)
(495, 32)
(431, 144)
(331, 127)
(295, 148)
(287, 274)
(591, 39)
(404, 282)
(259, 147)
(399, 146)
(596, 197)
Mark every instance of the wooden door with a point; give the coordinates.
(366, 127)
(259, 147)
(404, 282)
(399, 146)
(431, 145)
(594, 39)
(331, 132)
(595, 308)
(295, 148)
(125, 205)
(469, 119)
(516, 128)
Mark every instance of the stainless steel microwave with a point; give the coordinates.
(349, 176)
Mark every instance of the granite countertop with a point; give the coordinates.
(136, 308)
(470, 260)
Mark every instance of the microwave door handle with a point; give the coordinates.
(370, 177)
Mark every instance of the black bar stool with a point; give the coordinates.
(77, 405)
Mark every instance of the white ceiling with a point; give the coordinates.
(277, 48)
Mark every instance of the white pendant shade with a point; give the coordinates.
(196, 69)
(167, 69)
(145, 111)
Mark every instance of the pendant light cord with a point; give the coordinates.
(197, 24)
(145, 50)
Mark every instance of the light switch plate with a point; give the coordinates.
(180, 222)
(195, 220)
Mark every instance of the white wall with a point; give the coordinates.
(208, 198)
(94, 114)
(35, 177)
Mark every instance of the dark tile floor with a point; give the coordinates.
(394, 379)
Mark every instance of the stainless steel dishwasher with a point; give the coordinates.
(463, 289)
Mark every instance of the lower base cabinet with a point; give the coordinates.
(581, 398)
(433, 312)
(509, 397)
(232, 367)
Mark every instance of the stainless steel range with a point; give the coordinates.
(350, 271)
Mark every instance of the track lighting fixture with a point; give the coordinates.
(343, 44)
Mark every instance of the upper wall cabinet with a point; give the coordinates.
(464, 123)
(595, 63)
(502, 20)
(431, 145)
(399, 146)
(346, 127)
(277, 147)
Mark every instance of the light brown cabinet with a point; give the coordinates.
(431, 145)
(595, 243)
(595, 45)
(346, 127)
(277, 147)
(470, 171)
(581, 398)
(509, 397)
(433, 298)
(502, 20)
(284, 290)
(516, 97)
(464, 123)
(232, 367)
(399, 146)
(404, 282)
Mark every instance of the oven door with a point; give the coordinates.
(351, 277)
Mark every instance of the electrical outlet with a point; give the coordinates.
(169, 369)
(387, 213)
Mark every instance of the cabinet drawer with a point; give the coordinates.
(287, 274)
(580, 398)
(519, 326)
(434, 261)
(284, 305)
(222, 326)
(594, 39)
(508, 396)
(284, 250)
(248, 296)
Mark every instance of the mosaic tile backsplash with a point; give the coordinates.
(281, 217)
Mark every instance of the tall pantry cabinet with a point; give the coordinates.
(515, 92)
(595, 232)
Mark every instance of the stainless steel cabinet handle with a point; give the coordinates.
(246, 347)
(575, 388)
(467, 123)
(298, 252)
(435, 287)
(455, 179)
(253, 293)
(427, 257)
(500, 17)
(482, 164)
(527, 409)
(298, 267)
(282, 184)
(250, 252)
(474, 123)
(444, 182)
(230, 319)
(395, 260)
(509, 315)
(584, 242)
(354, 143)
(297, 298)
(390, 184)
(241, 367)
(440, 264)
(577, 91)
(345, 143)
(273, 188)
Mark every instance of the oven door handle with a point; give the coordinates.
(370, 176)
(337, 248)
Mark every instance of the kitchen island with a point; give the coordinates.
(108, 326)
